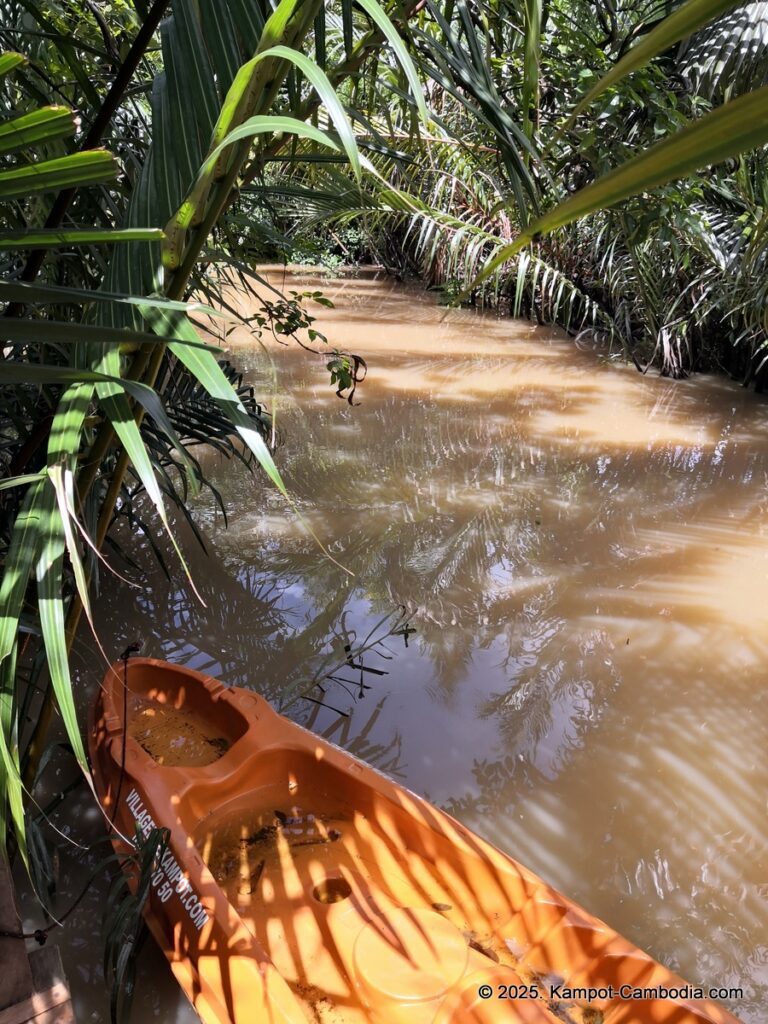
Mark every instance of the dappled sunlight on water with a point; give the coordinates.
(585, 552)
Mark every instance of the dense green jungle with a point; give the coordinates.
(598, 168)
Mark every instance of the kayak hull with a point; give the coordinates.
(299, 884)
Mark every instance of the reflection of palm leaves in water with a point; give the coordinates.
(254, 632)
(456, 466)
(444, 563)
(524, 713)
(427, 528)
(475, 543)
(257, 647)
(473, 611)
(525, 730)
(385, 756)
(450, 652)
(555, 694)
(240, 635)
(232, 635)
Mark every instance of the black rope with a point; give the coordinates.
(130, 650)
(41, 934)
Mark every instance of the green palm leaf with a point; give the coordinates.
(49, 574)
(9, 62)
(11, 786)
(53, 332)
(193, 204)
(208, 372)
(531, 61)
(19, 563)
(87, 168)
(383, 23)
(728, 131)
(63, 485)
(21, 481)
(41, 125)
(679, 25)
(56, 239)
(30, 294)
(327, 94)
(112, 391)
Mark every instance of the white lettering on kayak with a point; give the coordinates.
(168, 877)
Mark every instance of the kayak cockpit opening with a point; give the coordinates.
(173, 736)
(180, 719)
(248, 850)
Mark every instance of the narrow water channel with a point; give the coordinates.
(584, 551)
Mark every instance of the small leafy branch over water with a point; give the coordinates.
(285, 317)
(288, 318)
(347, 371)
(346, 666)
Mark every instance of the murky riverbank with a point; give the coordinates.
(585, 552)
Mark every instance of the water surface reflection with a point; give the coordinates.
(585, 552)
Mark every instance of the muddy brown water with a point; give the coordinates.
(585, 553)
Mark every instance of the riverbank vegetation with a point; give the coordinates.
(598, 167)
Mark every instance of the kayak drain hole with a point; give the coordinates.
(332, 890)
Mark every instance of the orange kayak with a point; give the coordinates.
(301, 885)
